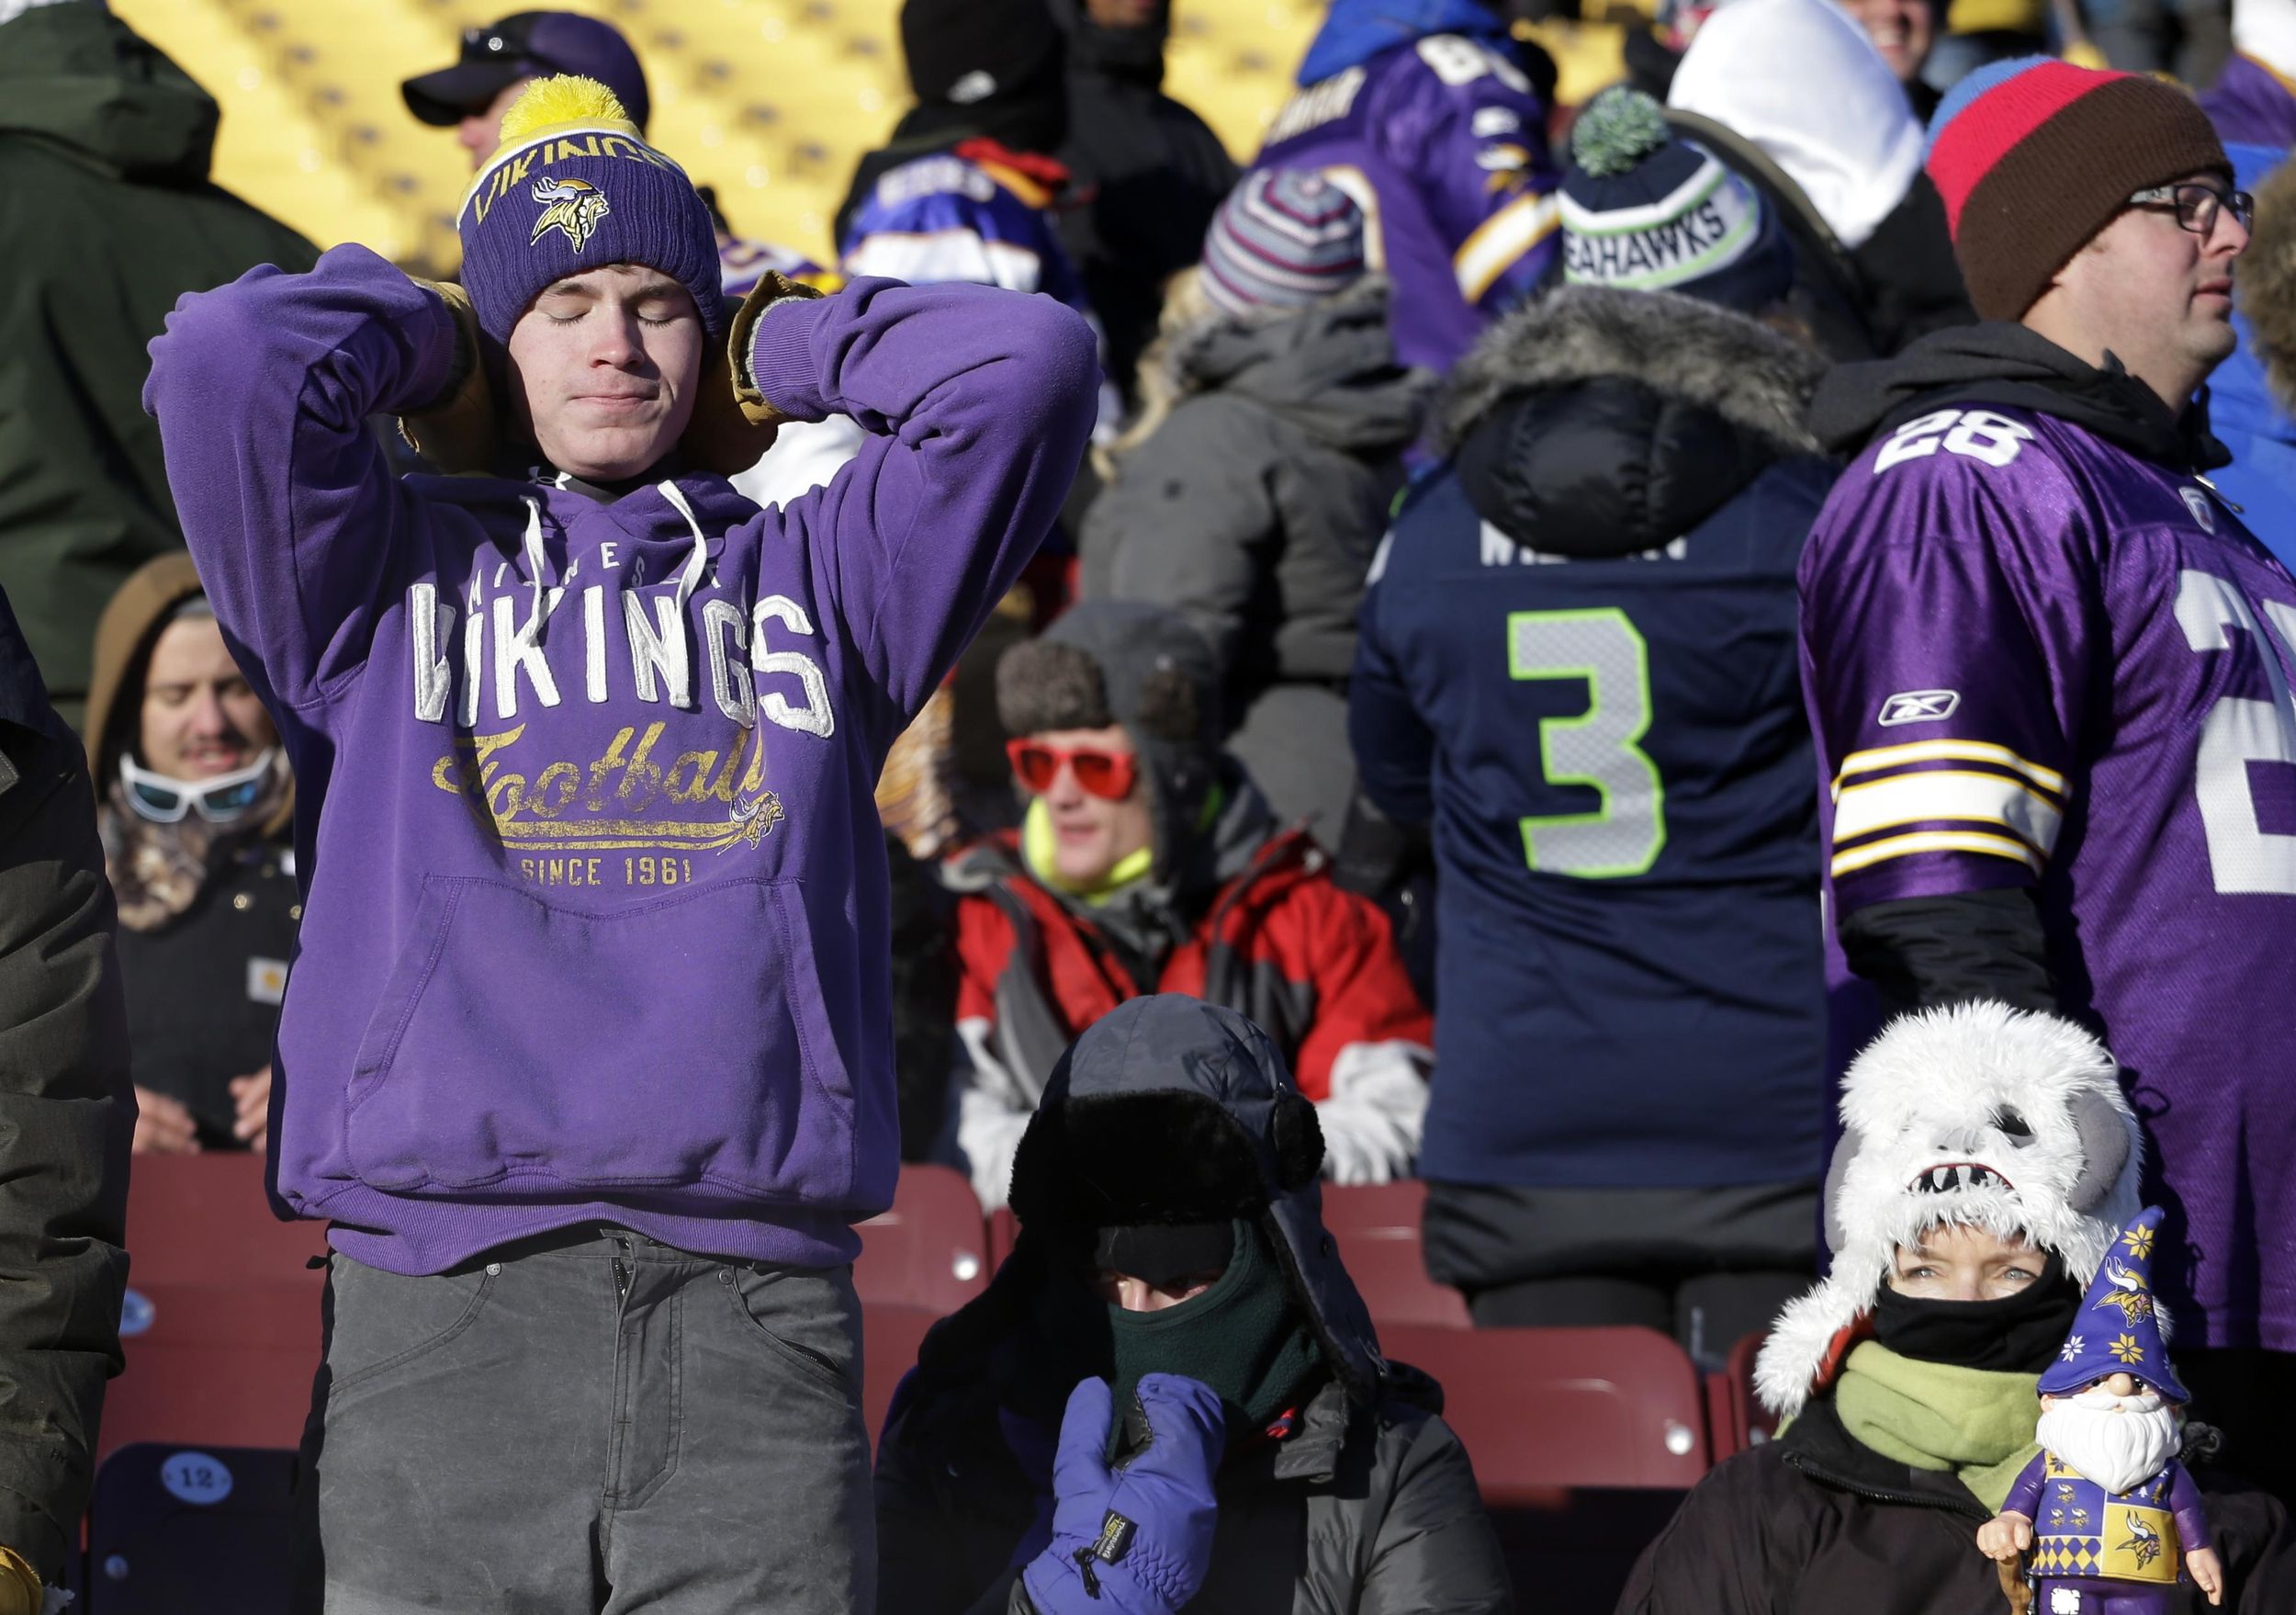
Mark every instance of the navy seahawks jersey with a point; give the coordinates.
(1614, 761)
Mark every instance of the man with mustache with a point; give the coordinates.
(2106, 1510)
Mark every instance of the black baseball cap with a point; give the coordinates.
(528, 45)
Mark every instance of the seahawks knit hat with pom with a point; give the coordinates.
(2035, 157)
(1646, 209)
(1282, 239)
(573, 186)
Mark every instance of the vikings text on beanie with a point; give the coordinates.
(574, 187)
(1645, 209)
(2033, 156)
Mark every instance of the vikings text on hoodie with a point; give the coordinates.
(596, 926)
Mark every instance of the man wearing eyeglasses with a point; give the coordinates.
(1148, 862)
(497, 60)
(2049, 670)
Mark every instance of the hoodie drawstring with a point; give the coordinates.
(698, 558)
(689, 580)
(532, 633)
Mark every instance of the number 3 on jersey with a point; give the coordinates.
(1599, 747)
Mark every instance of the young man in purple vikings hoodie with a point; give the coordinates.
(2049, 670)
(588, 1054)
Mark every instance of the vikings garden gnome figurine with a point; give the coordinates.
(2109, 1513)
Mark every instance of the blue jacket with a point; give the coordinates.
(1576, 659)
(2256, 117)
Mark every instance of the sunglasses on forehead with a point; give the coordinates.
(1109, 775)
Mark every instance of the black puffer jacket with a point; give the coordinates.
(1368, 1506)
(1818, 1523)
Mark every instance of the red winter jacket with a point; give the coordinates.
(1315, 965)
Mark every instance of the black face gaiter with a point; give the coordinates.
(2017, 1334)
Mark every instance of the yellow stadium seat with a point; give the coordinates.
(771, 101)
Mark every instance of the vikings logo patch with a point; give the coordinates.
(2129, 1292)
(573, 206)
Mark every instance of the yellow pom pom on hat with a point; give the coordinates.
(574, 187)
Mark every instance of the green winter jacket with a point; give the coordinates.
(109, 217)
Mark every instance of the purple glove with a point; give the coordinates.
(1135, 1540)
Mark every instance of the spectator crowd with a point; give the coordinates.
(1706, 671)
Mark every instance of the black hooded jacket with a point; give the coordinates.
(1147, 175)
(1368, 1506)
(1816, 1522)
(1924, 950)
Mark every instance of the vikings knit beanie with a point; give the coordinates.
(1282, 239)
(574, 187)
(1644, 210)
(2033, 156)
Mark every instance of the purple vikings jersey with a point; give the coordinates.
(956, 216)
(1443, 144)
(2032, 658)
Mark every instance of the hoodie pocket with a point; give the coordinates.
(526, 1050)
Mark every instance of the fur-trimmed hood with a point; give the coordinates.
(1329, 369)
(1597, 423)
(1977, 1114)
(1682, 349)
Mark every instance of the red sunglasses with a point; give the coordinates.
(1109, 775)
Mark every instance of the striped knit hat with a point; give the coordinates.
(2035, 157)
(1282, 239)
(1644, 210)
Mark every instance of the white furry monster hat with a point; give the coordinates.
(1978, 1114)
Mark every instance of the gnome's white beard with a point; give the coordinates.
(2117, 1451)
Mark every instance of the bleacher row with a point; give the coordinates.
(1581, 1438)
(771, 102)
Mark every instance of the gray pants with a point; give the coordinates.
(588, 1424)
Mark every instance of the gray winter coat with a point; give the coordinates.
(1368, 1506)
(1253, 510)
(66, 1112)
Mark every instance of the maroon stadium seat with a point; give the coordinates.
(890, 1337)
(1735, 1416)
(1003, 1229)
(1541, 1410)
(202, 1219)
(931, 1250)
(221, 1331)
(173, 1530)
(1378, 1229)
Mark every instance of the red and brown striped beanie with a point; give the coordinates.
(2035, 157)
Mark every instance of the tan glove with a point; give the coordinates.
(460, 431)
(733, 423)
(20, 1592)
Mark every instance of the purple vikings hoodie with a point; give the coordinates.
(596, 914)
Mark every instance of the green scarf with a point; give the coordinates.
(1972, 1421)
(1245, 1338)
(1036, 851)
